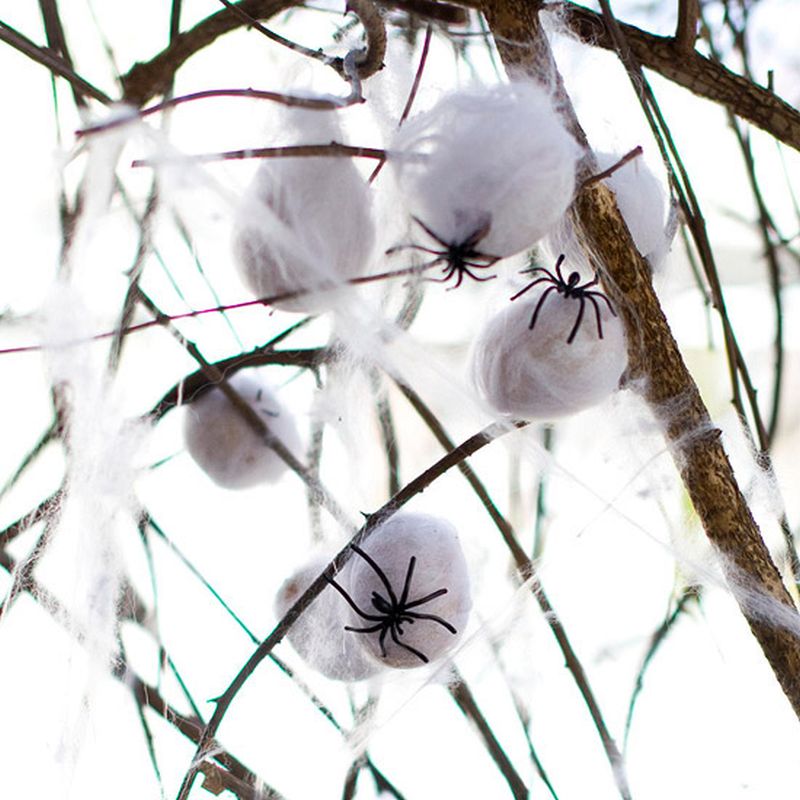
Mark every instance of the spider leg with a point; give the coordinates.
(539, 306)
(597, 316)
(534, 270)
(430, 232)
(379, 572)
(478, 234)
(593, 282)
(478, 265)
(412, 562)
(433, 618)
(400, 621)
(465, 271)
(559, 262)
(578, 320)
(398, 247)
(421, 656)
(382, 638)
(608, 302)
(371, 629)
(350, 600)
(530, 286)
(426, 599)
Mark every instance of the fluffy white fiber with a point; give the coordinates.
(439, 563)
(304, 223)
(642, 202)
(498, 155)
(536, 374)
(319, 636)
(225, 447)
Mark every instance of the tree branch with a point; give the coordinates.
(658, 372)
(700, 75)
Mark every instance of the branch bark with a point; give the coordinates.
(658, 372)
(693, 71)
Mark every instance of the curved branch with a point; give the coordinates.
(148, 79)
(693, 71)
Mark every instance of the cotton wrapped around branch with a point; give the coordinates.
(305, 223)
(499, 155)
(225, 447)
(535, 373)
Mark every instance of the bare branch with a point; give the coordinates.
(698, 74)
(686, 29)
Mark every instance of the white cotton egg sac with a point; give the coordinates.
(499, 155)
(305, 223)
(438, 563)
(225, 447)
(319, 635)
(535, 374)
(642, 202)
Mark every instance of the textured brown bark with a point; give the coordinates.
(657, 371)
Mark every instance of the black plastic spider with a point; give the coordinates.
(567, 288)
(393, 613)
(460, 257)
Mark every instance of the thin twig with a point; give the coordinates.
(607, 173)
(387, 429)
(311, 103)
(691, 594)
(465, 700)
(134, 276)
(412, 94)
(334, 149)
(52, 433)
(163, 319)
(57, 41)
(686, 28)
(54, 63)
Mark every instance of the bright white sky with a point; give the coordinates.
(711, 721)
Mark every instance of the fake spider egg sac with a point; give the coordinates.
(535, 374)
(225, 447)
(641, 201)
(438, 563)
(497, 155)
(305, 223)
(319, 635)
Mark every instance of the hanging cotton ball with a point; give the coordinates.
(642, 203)
(319, 635)
(305, 223)
(560, 366)
(498, 168)
(407, 591)
(224, 445)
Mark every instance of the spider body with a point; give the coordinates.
(393, 612)
(459, 258)
(569, 287)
